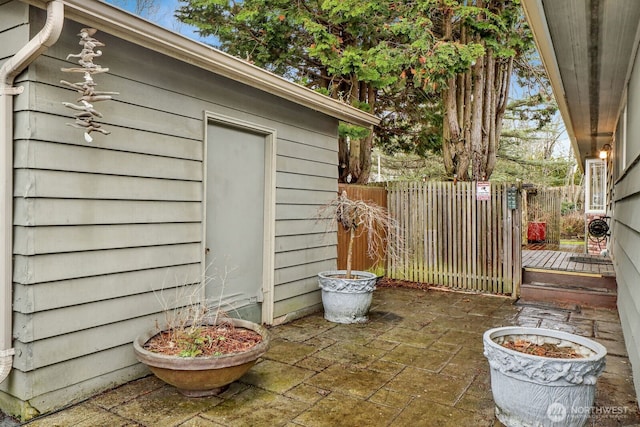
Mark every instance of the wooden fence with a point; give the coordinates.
(361, 261)
(455, 240)
(543, 205)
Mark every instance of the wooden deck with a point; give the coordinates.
(566, 261)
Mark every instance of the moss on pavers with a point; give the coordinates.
(432, 360)
(128, 392)
(445, 346)
(348, 352)
(257, 408)
(288, 351)
(416, 320)
(473, 403)
(386, 367)
(294, 332)
(200, 422)
(382, 344)
(466, 362)
(355, 334)
(480, 386)
(391, 398)
(471, 340)
(346, 411)
(315, 363)
(440, 388)
(350, 380)
(276, 376)
(421, 339)
(83, 415)
(306, 393)
(323, 374)
(164, 407)
(424, 412)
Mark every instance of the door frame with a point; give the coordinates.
(268, 241)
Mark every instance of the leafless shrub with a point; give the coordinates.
(359, 217)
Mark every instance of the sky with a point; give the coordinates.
(162, 14)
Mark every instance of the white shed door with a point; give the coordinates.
(235, 214)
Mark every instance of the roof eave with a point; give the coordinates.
(534, 13)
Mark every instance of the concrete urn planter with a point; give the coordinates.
(531, 390)
(347, 300)
(202, 376)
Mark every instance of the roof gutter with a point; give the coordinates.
(134, 29)
(9, 71)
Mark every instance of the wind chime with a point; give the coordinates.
(86, 114)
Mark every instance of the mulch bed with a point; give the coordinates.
(544, 350)
(386, 282)
(204, 341)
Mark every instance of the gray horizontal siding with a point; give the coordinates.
(29, 298)
(627, 278)
(305, 182)
(71, 373)
(633, 116)
(43, 212)
(13, 14)
(291, 290)
(61, 266)
(50, 351)
(14, 28)
(70, 158)
(305, 302)
(305, 256)
(39, 126)
(299, 226)
(31, 183)
(99, 226)
(74, 238)
(90, 386)
(300, 242)
(300, 272)
(626, 228)
(51, 323)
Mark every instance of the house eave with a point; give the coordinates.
(534, 13)
(132, 28)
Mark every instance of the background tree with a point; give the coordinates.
(475, 97)
(436, 71)
(146, 8)
(343, 48)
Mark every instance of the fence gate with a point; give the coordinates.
(453, 239)
(361, 260)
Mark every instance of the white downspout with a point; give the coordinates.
(10, 69)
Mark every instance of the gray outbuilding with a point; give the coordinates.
(211, 162)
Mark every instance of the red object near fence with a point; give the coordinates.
(536, 232)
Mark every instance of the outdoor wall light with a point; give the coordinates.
(604, 151)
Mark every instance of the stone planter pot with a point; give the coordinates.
(531, 390)
(347, 300)
(202, 376)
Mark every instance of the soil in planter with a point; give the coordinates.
(543, 350)
(204, 341)
(344, 276)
